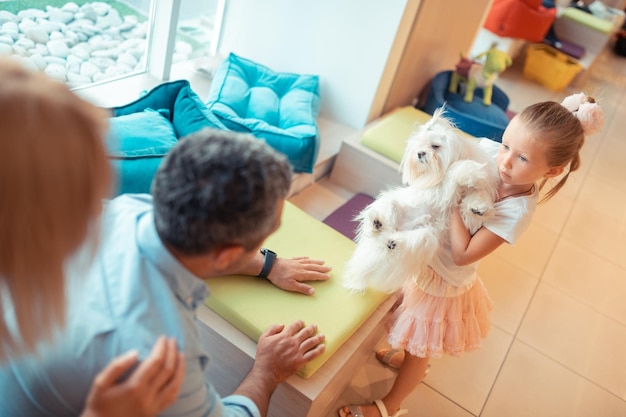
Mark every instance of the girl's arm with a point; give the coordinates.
(467, 249)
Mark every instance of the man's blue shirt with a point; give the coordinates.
(133, 291)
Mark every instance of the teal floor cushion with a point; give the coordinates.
(280, 108)
(141, 133)
(137, 142)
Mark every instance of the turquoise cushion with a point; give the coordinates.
(187, 112)
(139, 139)
(280, 108)
(136, 144)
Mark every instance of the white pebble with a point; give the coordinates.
(56, 71)
(5, 49)
(37, 34)
(58, 47)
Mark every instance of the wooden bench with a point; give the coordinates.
(240, 308)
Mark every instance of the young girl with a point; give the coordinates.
(436, 317)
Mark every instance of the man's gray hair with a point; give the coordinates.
(218, 188)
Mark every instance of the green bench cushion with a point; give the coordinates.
(587, 19)
(252, 304)
(388, 136)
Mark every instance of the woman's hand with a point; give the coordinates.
(149, 389)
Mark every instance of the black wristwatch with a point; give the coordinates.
(268, 263)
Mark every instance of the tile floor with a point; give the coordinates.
(558, 343)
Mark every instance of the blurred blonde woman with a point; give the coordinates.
(54, 174)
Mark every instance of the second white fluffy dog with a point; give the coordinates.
(401, 230)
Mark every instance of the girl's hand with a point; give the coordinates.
(149, 389)
(467, 248)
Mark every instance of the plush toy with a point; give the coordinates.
(475, 74)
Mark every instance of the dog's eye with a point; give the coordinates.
(435, 147)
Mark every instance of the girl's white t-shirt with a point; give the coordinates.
(512, 218)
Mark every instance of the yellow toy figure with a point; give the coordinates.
(475, 74)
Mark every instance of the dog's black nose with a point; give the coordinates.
(477, 212)
(420, 155)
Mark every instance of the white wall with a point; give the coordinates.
(345, 42)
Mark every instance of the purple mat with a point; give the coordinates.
(342, 219)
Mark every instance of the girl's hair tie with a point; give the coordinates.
(587, 111)
(573, 102)
(591, 117)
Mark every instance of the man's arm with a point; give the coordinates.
(281, 351)
(290, 274)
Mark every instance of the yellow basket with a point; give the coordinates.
(550, 67)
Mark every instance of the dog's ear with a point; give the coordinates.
(407, 165)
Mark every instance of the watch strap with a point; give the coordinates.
(268, 262)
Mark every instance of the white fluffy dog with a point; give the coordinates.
(400, 232)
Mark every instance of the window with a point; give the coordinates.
(85, 42)
(197, 24)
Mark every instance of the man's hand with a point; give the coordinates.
(149, 389)
(291, 274)
(281, 351)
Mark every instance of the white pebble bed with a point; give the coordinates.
(78, 44)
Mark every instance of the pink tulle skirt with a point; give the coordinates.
(436, 317)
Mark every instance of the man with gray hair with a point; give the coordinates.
(216, 198)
